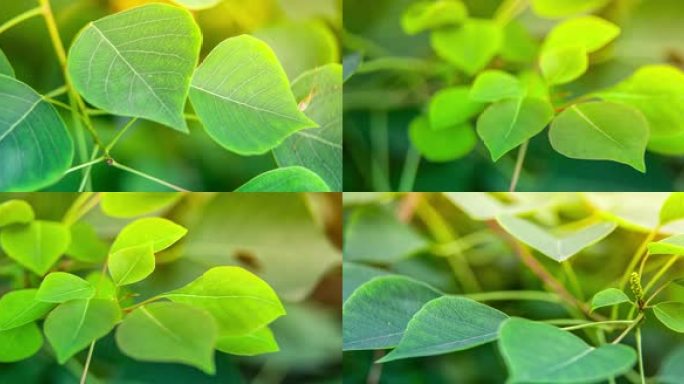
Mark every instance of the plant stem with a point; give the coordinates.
(641, 355)
(120, 134)
(522, 153)
(515, 295)
(57, 92)
(629, 329)
(660, 273)
(146, 176)
(598, 324)
(380, 151)
(84, 165)
(653, 296)
(140, 304)
(84, 375)
(82, 205)
(632, 265)
(86, 175)
(375, 371)
(37, 11)
(408, 176)
(572, 277)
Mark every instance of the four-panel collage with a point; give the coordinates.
(341, 191)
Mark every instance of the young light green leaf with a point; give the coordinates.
(469, 47)
(132, 204)
(589, 32)
(557, 248)
(673, 208)
(5, 66)
(442, 145)
(375, 235)
(288, 179)
(562, 8)
(376, 315)
(447, 324)
(60, 287)
(451, 107)
(563, 65)
(72, 326)
(36, 246)
(672, 368)
(519, 46)
(35, 146)
(258, 342)
(425, 15)
(15, 212)
(169, 333)
(162, 233)
(20, 307)
(20, 343)
(507, 124)
(608, 297)
(239, 300)
(247, 109)
(671, 314)
(131, 264)
(494, 85)
(138, 63)
(319, 93)
(601, 131)
(197, 5)
(104, 286)
(88, 247)
(541, 353)
(673, 245)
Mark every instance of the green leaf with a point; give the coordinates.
(289, 179)
(673, 245)
(425, 15)
(658, 92)
(197, 4)
(507, 124)
(170, 333)
(589, 32)
(5, 66)
(319, 93)
(132, 204)
(448, 324)
(36, 246)
(442, 145)
(374, 234)
(131, 264)
(138, 63)
(564, 65)
(72, 326)
(15, 212)
(376, 315)
(247, 109)
(562, 8)
(601, 131)
(451, 107)
(671, 314)
(239, 300)
(535, 86)
(89, 248)
(559, 248)
(494, 85)
(20, 307)
(104, 286)
(20, 343)
(541, 353)
(519, 46)
(672, 368)
(162, 233)
(355, 275)
(608, 297)
(35, 146)
(60, 287)
(672, 209)
(258, 342)
(470, 47)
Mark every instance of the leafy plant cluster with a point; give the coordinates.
(142, 63)
(602, 282)
(73, 288)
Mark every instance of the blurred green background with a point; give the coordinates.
(401, 73)
(303, 33)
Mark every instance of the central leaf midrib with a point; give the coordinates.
(216, 297)
(21, 119)
(596, 127)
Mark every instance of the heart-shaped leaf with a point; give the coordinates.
(452, 106)
(162, 233)
(256, 343)
(469, 47)
(247, 109)
(170, 333)
(132, 204)
(541, 353)
(447, 324)
(673, 245)
(495, 85)
(131, 264)
(557, 248)
(289, 179)
(425, 15)
(138, 63)
(588, 32)
(197, 4)
(20, 307)
(5, 66)
(562, 8)
(239, 300)
(608, 297)
(15, 212)
(376, 315)
(35, 146)
(36, 246)
(60, 287)
(509, 123)
(601, 131)
(442, 145)
(20, 343)
(319, 93)
(671, 314)
(72, 326)
(563, 65)
(672, 209)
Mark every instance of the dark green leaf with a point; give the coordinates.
(5, 66)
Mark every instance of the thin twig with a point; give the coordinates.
(115, 164)
(522, 153)
(375, 371)
(120, 134)
(84, 165)
(629, 329)
(37, 11)
(86, 367)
